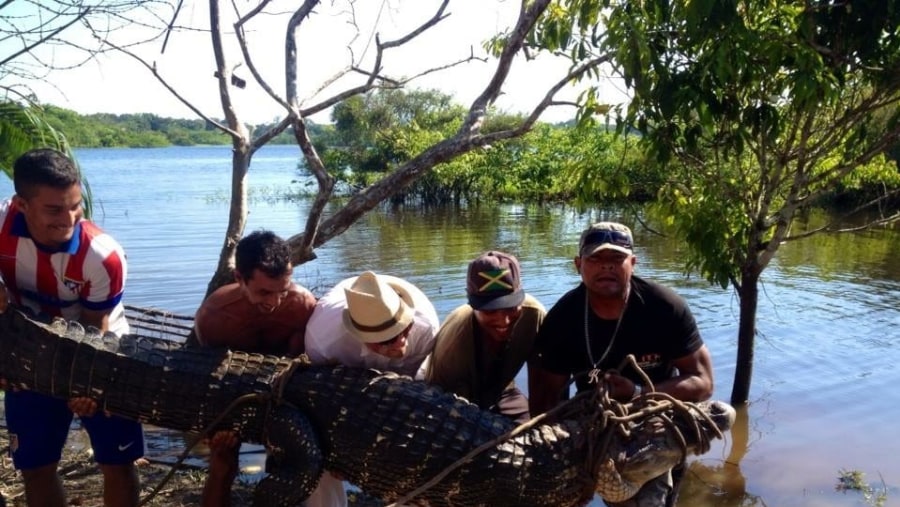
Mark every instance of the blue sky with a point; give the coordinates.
(117, 84)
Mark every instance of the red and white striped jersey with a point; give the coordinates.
(88, 271)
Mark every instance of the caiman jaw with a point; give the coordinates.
(655, 447)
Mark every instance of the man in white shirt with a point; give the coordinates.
(369, 321)
(372, 321)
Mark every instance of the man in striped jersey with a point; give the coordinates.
(56, 263)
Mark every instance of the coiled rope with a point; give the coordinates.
(604, 417)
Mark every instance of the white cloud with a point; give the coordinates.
(117, 84)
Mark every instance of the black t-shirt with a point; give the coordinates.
(657, 328)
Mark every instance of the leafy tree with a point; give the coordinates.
(22, 128)
(375, 132)
(755, 109)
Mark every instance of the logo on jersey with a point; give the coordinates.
(649, 361)
(73, 285)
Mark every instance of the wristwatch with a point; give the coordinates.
(638, 390)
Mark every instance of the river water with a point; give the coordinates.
(824, 396)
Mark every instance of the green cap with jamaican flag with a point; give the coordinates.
(493, 282)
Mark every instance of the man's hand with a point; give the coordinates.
(620, 388)
(224, 440)
(223, 454)
(83, 407)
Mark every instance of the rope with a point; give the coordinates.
(604, 417)
(480, 449)
(196, 440)
(275, 397)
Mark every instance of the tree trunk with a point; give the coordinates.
(749, 296)
(237, 216)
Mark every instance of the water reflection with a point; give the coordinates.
(824, 388)
(721, 484)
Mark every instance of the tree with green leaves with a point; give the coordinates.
(22, 127)
(756, 110)
(375, 132)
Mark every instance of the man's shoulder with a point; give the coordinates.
(573, 298)
(225, 295)
(6, 215)
(300, 296)
(532, 304)
(5, 206)
(655, 292)
(96, 239)
(457, 323)
(461, 312)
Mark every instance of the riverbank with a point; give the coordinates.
(84, 483)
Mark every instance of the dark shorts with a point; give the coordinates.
(38, 426)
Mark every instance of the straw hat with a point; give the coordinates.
(378, 308)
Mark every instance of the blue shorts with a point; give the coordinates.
(38, 426)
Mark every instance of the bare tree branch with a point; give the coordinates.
(172, 90)
(437, 18)
(44, 39)
(245, 51)
(223, 74)
(527, 18)
(466, 139)
(830, 226)
(290, 52)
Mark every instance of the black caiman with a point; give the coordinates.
(385, 433)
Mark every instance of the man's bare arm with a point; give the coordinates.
(84, 406)
(694, 381)
(96, 318)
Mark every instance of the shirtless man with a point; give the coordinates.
(263, 312)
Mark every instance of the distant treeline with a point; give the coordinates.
(140, 130)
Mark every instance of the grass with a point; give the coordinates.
(855, 480)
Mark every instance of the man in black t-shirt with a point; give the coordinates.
(611, 314)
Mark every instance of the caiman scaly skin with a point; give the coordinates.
(385, 433)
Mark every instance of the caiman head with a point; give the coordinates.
(655, 445)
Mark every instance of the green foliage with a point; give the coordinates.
(375, 133)
(145, 130)
(753, 110)
(22, 127)
(140, 130)
(854, 480)
(708, 207)
(606, 169)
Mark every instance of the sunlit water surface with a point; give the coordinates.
(824, 396)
